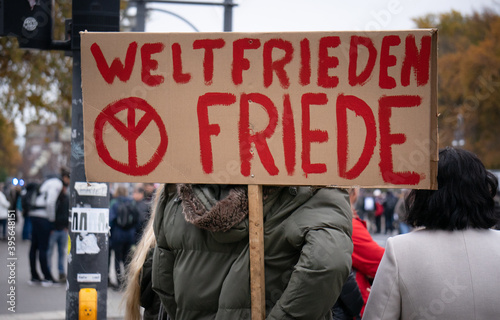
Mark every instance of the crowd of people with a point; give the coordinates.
(182, 251)
(45, 210)
(127, 218)
(383, 210)
(194, 252)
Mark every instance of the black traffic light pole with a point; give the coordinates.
(31, 22)
(87, 269)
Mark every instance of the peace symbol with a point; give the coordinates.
(130, 132)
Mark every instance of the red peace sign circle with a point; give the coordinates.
(130, 132)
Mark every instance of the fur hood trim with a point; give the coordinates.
(211, 214)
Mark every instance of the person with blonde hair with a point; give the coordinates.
(312, 224)
(138, 292)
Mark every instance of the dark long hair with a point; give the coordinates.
(464, 198)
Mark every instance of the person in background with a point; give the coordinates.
(389, 204)
(400, 211)
(112, 201)
(143, 206)
(138, 291)
(27, 227)
(4, 213)
(379, 210)
(42, 218)
(201, 259)
(149, 192)
(367, 253)
(15, 200)
(122, 237)
(365, 208)
(59, 235)
(350, 302)
(449, 268)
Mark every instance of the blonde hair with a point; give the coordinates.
(132, 292)
(353, 195)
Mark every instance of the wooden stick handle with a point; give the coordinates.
(256, 240)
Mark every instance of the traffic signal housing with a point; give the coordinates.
(29, 20)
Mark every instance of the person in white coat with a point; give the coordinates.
(42, 219)
(450, 267)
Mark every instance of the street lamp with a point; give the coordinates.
(134, 17)
(459, 134)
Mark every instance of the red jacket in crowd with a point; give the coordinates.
(366, 256)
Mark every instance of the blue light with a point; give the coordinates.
(15, 181)
(21, 182)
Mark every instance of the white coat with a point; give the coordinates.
(438, 275)
(4, 206)
(49, 191)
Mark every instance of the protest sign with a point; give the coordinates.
(298, 108)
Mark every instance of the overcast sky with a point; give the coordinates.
(307, 15)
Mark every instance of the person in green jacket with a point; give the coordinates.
(201, 260)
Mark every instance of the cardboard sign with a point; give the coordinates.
(315, 108)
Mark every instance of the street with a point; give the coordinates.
(36, 302)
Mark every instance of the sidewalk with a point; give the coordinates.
(37, 302)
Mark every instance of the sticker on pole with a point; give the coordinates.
(88, 277)
(91, 189)
(87, 244)
(90, 220)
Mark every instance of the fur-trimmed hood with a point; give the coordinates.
(212, 207)
(218, 208)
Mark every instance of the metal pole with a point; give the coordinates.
(228, 11)
(87, 280)
(228, 15)
(140, 17)
(85, 270)
(177, 16)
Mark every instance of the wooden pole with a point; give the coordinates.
(256, 240)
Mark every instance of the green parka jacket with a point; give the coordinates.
(202, 274)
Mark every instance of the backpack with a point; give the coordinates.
(391, 202)
(127, 215)
(28, 199)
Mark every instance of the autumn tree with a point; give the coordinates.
(9, 153)
(35, 86)
(469, 81)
